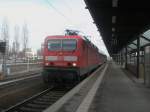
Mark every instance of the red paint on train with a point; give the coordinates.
(69, 54)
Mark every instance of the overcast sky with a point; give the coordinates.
(49, 17)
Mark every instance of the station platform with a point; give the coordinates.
(112, 91)
(118, 93)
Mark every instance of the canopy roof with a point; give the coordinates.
(120, 21)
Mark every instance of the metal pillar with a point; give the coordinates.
(138, 55)
(126, 59)
(121, 58)
(118, 58)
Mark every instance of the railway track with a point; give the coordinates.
(4, 84)
(20, 76)
(40, 101)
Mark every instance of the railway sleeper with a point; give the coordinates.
(26, 109)
(47, 100)
(42, 102)
(34, 105)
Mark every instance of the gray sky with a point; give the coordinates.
(49, 17)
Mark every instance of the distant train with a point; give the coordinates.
(68, 58)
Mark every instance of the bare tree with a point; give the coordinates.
(5, 33)
(5, 30)
(16, 44)
(5, 38)
(39, 52)
(13, 49)
(25, 38)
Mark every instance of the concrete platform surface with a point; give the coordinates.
(118, 93)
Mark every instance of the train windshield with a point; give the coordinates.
(54, 45)
(64, 44)
(69, 44)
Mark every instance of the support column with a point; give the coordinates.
(138, 55)
(118, 58)
(126, 59)
(121, 58)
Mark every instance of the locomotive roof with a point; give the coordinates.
(74, 36)
(60, 36)
(70, 36)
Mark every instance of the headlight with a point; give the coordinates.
(74, 64)
(46, 64)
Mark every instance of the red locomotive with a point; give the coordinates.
(67, 58)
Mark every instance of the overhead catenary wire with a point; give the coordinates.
(68, 20)
(58, 12)
(67, 5)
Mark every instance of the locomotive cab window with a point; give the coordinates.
(54, 45)
(69, 44)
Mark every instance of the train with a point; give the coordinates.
(69, 57)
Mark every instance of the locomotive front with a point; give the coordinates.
(60, 59)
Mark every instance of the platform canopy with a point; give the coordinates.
(119, 21)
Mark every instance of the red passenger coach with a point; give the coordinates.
(67, 58)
